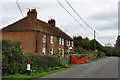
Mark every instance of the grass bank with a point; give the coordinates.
(98, 58)
(32, 75)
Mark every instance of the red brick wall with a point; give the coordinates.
(55, 44)
(48, 43)
(39, 42)
(27, 39)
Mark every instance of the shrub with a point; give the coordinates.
(12, 58)
(100, 54)
(15, 61)
(84, 54)
(72, 53)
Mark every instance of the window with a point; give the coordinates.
(69, 42)
(67, 50)
(59, 41)
(51, 51)
(44, 38)
(51, 40)
(72, 43)
(62, 51)
(43, 51)
(59, 50)
(62, 41)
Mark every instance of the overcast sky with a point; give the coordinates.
(101, 15)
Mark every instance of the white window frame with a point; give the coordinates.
(44, 38)
(59, 50)
(51, 50)
(51, 39)
(59, 41)
(62, 41)
(72, 43)
(43, 50)
(69, 42)
(62, 51)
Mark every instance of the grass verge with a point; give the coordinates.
(98, 58)
(32, 75)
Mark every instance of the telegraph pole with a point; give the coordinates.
(94, 41)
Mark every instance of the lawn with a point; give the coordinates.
(32, 75)
(98, 58)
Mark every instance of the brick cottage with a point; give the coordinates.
(37, 36)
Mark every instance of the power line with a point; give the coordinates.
(71, 15)
(79, 15)
(19, 8)
(99, 38)
(68, 12)
(83, 20)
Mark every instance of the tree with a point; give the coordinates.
(98, 45)
(85, 43)
(117, 46)
(118, 42)
(77, 41)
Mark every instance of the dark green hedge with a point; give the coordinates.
(15, 61)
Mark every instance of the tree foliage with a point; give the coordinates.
(87, 44)
(81, 42)
(98, 46)
(117, 46)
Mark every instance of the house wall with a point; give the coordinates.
(27, 39)
(40, 43)
(47, 44)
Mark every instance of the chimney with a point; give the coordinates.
(52, 22)
(32, 14)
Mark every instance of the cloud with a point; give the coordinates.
(97, 13)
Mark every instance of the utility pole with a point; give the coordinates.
(94, 41)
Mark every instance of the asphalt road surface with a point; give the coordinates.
(103, 68)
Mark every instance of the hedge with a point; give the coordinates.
(15, 61)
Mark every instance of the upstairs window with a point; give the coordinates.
(44, 38)
(59, 41)
(69, 42)
(62, 41)
(51, 40)
(72, 43)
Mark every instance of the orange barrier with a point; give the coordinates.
(74, 60)
(87, 59)
(83, 60)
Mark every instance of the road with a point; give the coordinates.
(103, 68)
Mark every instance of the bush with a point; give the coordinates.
(100, 54)
(84, 54)
(15, 61)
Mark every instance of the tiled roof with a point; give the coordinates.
(28, 24)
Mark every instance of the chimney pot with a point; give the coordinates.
(51, 22)
(32, 14)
